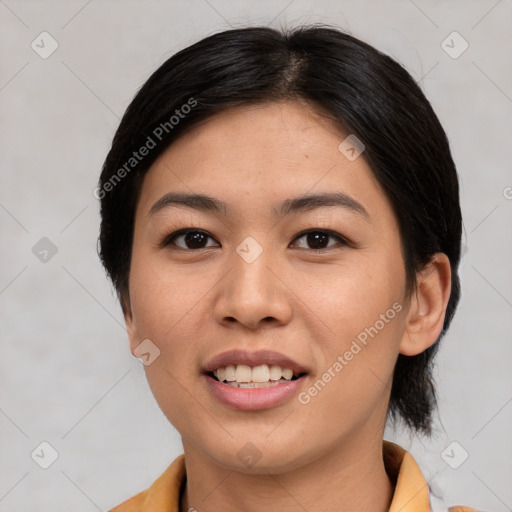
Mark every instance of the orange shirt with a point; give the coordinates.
(411, 490)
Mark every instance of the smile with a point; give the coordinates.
(248, 395)
(261, 376)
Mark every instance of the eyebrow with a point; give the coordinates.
(205, 203)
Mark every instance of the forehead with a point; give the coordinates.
(253, 155)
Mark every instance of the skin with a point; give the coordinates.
(305, 303)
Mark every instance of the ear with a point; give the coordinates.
(131, 326)
(427, 310)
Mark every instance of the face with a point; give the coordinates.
(310, 287)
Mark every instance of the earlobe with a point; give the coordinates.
(427, 311)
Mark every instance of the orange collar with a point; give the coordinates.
(411, 490)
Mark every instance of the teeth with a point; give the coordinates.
(260, 373)
(230, 373)
(221, 373)
(287, 373)
(254, 384)
(243, 373)
(275, 372)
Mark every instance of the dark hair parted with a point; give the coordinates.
(362, 90)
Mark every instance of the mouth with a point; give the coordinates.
(260, 376)
(253, 380)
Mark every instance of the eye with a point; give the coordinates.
(195, 239)
(192, 239)
(318, 238)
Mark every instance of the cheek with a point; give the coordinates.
(354, 379)
(163, 305)
(351, 296)
(162, 295)
(361, 305)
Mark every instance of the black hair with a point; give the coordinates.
(365, 92)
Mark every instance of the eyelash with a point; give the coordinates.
(169, 239)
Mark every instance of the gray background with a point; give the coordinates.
(66, 374)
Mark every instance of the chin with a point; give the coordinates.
(259, 455)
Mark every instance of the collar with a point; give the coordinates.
(411, 490)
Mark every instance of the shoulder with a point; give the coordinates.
(133, 504)
(402, 467)
(163, 494)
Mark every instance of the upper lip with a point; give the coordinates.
(256, 358)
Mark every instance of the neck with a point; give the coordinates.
(353, 477)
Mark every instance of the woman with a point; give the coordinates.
(281, 221)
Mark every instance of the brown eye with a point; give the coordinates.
(193, 239)
(319, 239)
(189, 239)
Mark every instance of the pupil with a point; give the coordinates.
(313, 239)
(194, 239)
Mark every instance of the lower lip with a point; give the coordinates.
(253, 399)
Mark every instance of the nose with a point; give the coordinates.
(254, 294)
